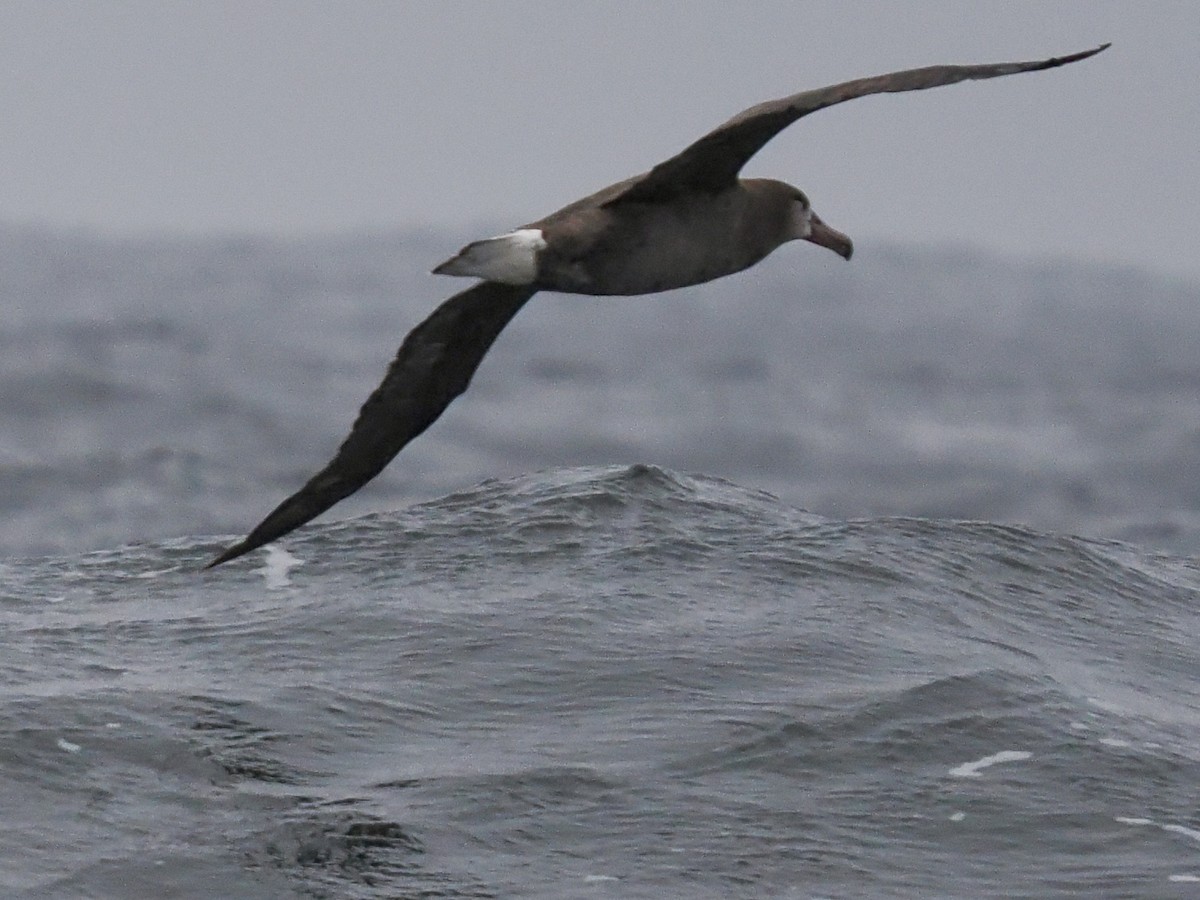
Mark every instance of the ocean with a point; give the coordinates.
(826, 580)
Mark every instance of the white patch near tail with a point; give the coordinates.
(508, 258)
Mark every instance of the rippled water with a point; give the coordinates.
(609, 680)
(618, 682)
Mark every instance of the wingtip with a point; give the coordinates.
(231, 552)
(1056, 61)
(1084, 54)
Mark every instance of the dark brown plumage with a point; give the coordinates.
(688, 220)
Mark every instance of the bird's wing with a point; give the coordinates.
(432, 367)
(712, 163)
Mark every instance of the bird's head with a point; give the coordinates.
(807, 226)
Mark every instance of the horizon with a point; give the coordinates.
(278, 118)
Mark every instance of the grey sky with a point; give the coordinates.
(298, 117)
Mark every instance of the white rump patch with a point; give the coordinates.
(508, 258)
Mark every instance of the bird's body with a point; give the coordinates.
(641, 247)
(686, 221)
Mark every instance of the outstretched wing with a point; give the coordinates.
(713, 162)
(433, 366)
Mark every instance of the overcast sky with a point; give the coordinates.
(300, 117)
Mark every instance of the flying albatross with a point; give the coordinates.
(688, 220)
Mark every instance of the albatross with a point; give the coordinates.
(688, 220)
